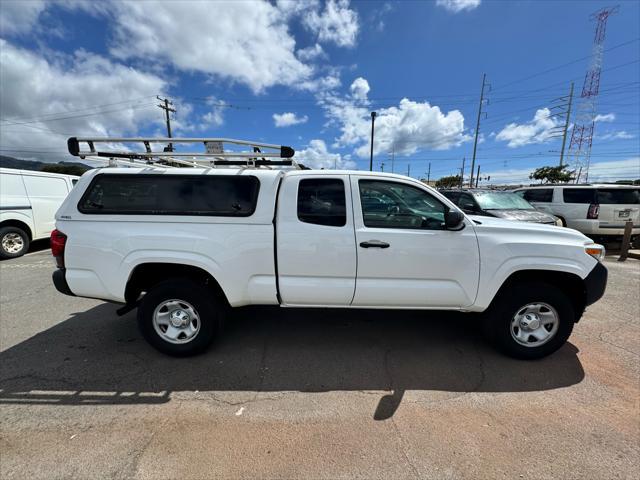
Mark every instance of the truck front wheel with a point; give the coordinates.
(530, 320)
(179, 317)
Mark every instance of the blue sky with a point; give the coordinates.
(307, 74)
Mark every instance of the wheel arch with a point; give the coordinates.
(145, 275)
(569, 283)
(12, 222)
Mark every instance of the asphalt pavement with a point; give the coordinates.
(311, 393)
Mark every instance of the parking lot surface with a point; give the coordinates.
(311, 393)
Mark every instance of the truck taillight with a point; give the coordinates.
(58, 242)
(593, 212)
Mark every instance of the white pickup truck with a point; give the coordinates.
(184, 244)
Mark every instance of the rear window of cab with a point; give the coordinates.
(208, 195)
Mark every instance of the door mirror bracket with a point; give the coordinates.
(454, 220)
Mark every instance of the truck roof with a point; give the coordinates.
(258, 172)
(38, 173)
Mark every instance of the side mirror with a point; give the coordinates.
(453, 220)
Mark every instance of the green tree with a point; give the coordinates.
(448, 182)
(557, 174)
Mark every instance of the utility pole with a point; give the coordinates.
(475, 141)
(478, 176)
(429, 173)
(373, 121)
(165, 106)
(408, 169)
(462, 172)
(393, 158)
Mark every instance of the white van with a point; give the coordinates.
(28, 204)
(598, 211)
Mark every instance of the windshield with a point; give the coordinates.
(501, 201)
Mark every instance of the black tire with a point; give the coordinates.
(203, 300)
(5, 235)
(564, 222)
(498, 319)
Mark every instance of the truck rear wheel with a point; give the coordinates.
(530, 320)
(179, 317)
(14, 242)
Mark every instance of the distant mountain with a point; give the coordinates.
(10, 162)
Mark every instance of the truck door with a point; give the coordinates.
(316, 250)
(405, 256)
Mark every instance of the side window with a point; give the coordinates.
(45, 187)
(398, 205)
(322, 201)
(12, 185)
(544, 195)
(466, 202)
(453, 196)
(578, 195)
(139, 194)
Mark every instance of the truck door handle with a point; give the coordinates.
(374, 244)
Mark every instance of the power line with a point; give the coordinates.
(90, 107)
(558, 67)
(133, 107)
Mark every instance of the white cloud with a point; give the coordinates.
(598, 172)
(248, 42)
(238, 41)
(456, 6)
(36, 90)
(337, 23)
(538, 130)
(360, 89)
(317, 156)
(609, 117)
(322, 84)
(18, 17)
(406, 128)
(617, 135)
(376, 18)
(287, 119)
(311, 53)
(214, 118)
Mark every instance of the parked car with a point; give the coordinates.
(492, 203)
(599, 211)
(183, 245)
(28, 203)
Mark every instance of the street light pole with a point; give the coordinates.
(373, 121)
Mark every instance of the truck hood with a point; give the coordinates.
(497, 225)
(535, 216)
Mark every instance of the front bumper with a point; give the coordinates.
(595, 283)
(60, 282)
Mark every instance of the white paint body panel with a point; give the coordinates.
(317, 265)
(423, 268)
(32, 198)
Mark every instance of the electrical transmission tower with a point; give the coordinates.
(582, 133)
